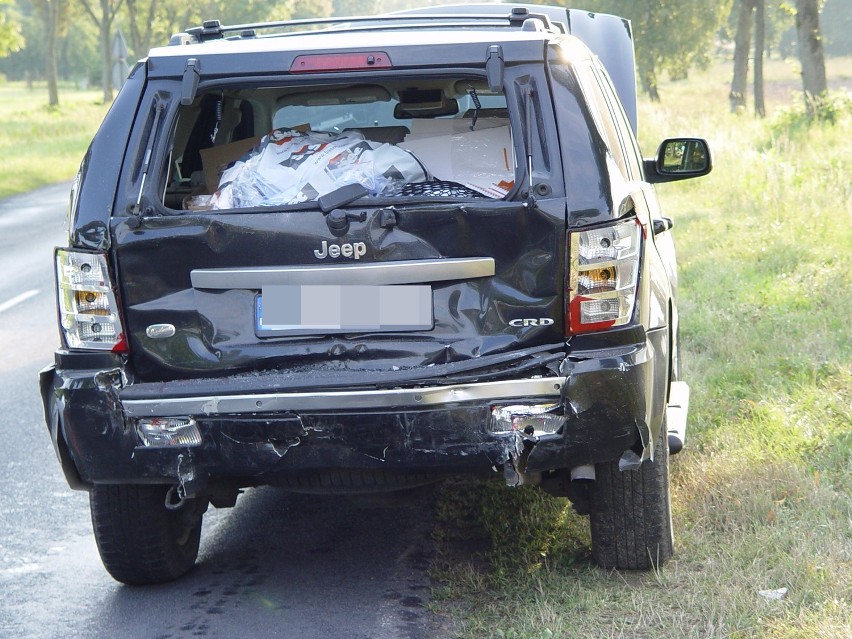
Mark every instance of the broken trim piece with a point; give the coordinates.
(407, 272)
(376, 399)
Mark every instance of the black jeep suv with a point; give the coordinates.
(363, 254)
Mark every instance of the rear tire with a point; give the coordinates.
(141, 541)
(631, 513)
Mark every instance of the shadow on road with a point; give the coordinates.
(281, 564)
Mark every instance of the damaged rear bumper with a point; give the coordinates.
(605, 403)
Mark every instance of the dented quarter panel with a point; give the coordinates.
(629, 417)
(85, 418)
(94, 193)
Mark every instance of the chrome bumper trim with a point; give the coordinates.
(381, 273)
(402, 399)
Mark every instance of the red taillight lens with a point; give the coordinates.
(317, 63)
(603, 276)
(88, 312)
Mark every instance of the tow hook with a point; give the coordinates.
(515, 469)
(173, 499)
(190, 483)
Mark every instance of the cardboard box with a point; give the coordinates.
(217, 158)
(426, 128)
(483, 160)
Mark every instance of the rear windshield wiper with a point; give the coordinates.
(331, 205)
(341, 197)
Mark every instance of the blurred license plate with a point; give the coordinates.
(318, 309)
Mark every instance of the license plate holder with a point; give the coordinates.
(307, 309)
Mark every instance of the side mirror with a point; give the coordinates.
(679, 159)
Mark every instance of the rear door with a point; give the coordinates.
(445, 262)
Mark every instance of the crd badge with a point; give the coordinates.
(530, 321)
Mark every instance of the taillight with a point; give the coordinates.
(603, 276)
(88, 313)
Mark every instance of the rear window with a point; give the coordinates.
(281, 146)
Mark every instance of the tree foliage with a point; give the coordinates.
(778, 17)
(140, 22)
(750, 14)
(54, 15)
(356, 7)
(152, 22)
(669, 35)
(103, 16)
(11, 38)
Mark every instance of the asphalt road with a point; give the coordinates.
(277, 565)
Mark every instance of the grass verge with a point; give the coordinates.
(40, 145)
(762, 496)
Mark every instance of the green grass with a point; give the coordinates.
(762, 496)
(39, 145)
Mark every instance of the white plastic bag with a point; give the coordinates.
(289, 167)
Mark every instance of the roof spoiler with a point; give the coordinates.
(609, 37)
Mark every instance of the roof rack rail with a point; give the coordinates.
(519, 17)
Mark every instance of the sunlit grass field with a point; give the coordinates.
(762, 495)
(38, 145)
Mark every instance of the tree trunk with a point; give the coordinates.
(140, 39)
(646, 65)
(742, 41)
(649, 85)
(51, 27)
(54, 18)
(108, 10)
(135, 36)
(106, 50)
(648, 76)
(759, 46)
(811, 53)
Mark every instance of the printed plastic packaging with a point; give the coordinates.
(289, 167)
